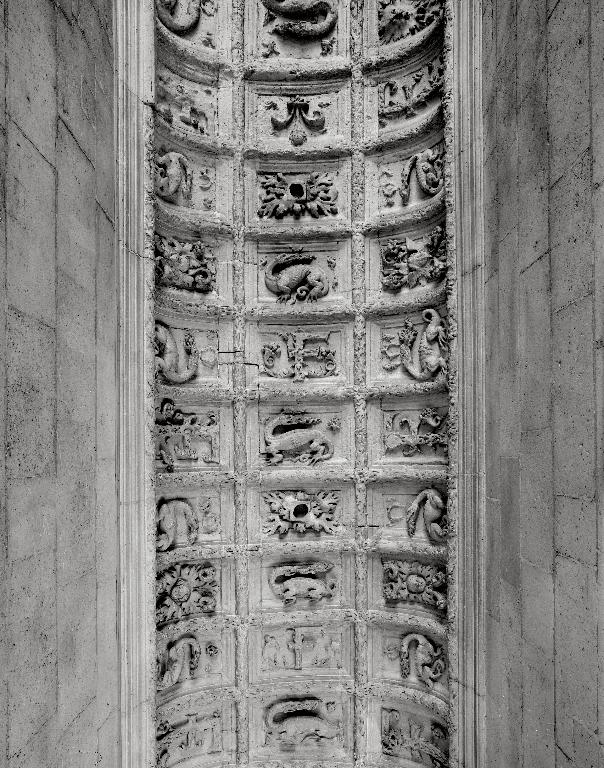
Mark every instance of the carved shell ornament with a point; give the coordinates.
(302, 19)
(181, 16)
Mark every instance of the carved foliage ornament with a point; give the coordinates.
(314, 194)
(179, 522)
(294, 435)
(420, 659)
(189, 266)
(295, 277)
(422, 355)
(301, 19)
(404, 737)
(411, 95)
(185, 589)
(413, 434)
(301, 512)
(300, 348)
(410, 264)
(414, 582)
(399, 19)
(302, 724)
(181, 16)
(303, 581)
(431, 505)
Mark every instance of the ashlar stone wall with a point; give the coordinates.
(544, 167)
(304, 347)
(58, 315)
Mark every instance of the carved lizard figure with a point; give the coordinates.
(292, 278)
(294, 441)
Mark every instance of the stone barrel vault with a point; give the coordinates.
(305, 381)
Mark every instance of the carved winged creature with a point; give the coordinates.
(306, 19)
(293, 277)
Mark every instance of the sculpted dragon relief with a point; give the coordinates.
(423, 355)
(301, 19)
(295, 277)
(301, 724)
(294, 436)
(303, 581)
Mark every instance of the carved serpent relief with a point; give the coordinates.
(300, 724)
(414, 582)
(294, 436)
(303, 581)
(302, 19)
(179, 522)
(423, 355)
(420, 659)
(301, 512)
(294, 277)
(181, 16)
(426, 166)
(185, 658)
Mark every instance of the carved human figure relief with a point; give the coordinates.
(301, 512)
(414, 582)
(303, 581)
(422, 354)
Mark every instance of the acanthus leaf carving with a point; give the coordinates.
(301, 19)
(189, 266)
(301, 512)
(423, 356)
(294, 277)
(414, 582)
(184, 590)
(303, 581)
(400, 19)
(314, 194)
(295, 435)
(410, 264)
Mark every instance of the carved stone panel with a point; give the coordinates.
(288, 652)
(310, 436)
(196, 28)
(311, 582)
(310, 29)
(306, 725)
(189, 516)
(298, 194)
(292, 278)
(411, 351)
(308, 513)
(409, 584)
(192, 655)
(403, 25)
(409, 431)
(198, 729)
(191, 438)
(296, 355)
(408, 512)
(288, 116)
